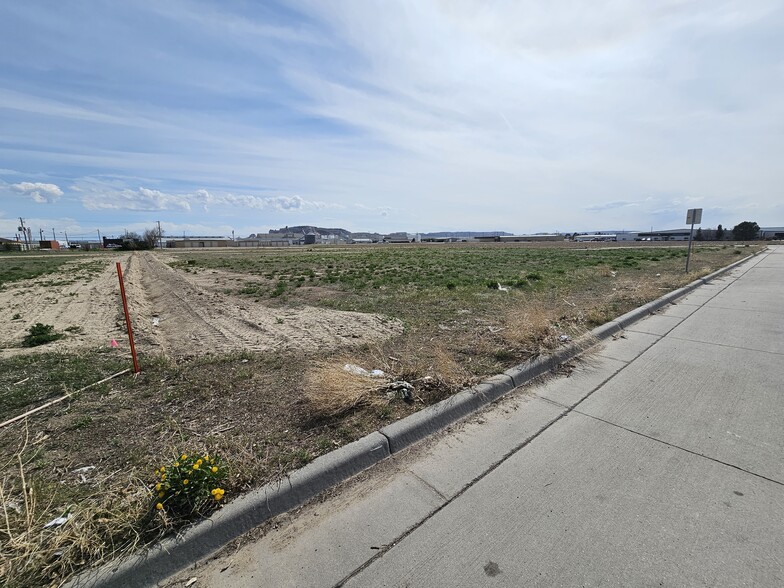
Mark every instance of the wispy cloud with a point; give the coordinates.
(39, 192)
(100, 196)
(610, 206)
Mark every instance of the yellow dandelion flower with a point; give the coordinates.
(196, 466)
(199, 461)
(158, 486)
(186, 481)
(218, 497)
(214, 469)
(206, 457)
(184, 457)
(163, 469)
(163, 477)
(176, 464)
(214, 491)
(159, 506)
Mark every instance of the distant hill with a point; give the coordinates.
(311, 229)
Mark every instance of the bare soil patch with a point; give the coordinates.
(183, 318)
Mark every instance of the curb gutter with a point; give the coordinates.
(250, 510)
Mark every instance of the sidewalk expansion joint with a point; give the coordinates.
(776, 353)
(381, 552)
(517, 448)
(429, 485)
(672, 445)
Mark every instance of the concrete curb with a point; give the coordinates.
(252, 509)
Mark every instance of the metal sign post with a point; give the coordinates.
(693, 217)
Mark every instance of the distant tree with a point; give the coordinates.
(131, 241)
(150, 238)
(719, 233)
(698, 235)
(746, 231)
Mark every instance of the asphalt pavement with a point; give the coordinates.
(657, 461)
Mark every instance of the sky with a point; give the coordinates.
(423, 115)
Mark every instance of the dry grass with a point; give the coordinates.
(330, 390)
(531, 326)
(109, 520)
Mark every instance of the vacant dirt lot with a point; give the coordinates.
(172, 312)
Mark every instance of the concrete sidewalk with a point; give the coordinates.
(658, 461)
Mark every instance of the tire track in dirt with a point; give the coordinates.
(180, 317)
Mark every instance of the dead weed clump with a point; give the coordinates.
(331, 390)
(531, 326)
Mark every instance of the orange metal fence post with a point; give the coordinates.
(136, 369)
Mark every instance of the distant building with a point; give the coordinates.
(771, 233)
(668, 235)
(53, 245)
(617, 236)
(199, 242)
(398, 238)
(11, 245)
(266, 240)
(519, 238)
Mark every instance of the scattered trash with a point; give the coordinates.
(244, 361)
(613, 274)
(114, 343)
(13, 505)
(658, 275)
(360, 371)
(502, 288)
(401, 389)
(155, 321)
(21, 382)
(564, 338)
(57, 522)
(495, 330)
(84, 470)
(191, 582)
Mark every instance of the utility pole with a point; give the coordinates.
(66, 239)
(160, 236)
(41, 233)
(23, 230)
(100, 243)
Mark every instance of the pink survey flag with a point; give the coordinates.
(114, 343)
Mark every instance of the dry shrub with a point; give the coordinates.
(530, 326)
(330, 390)
(637, 291)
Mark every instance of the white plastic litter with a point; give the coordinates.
(360, 371)
(57, 522)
